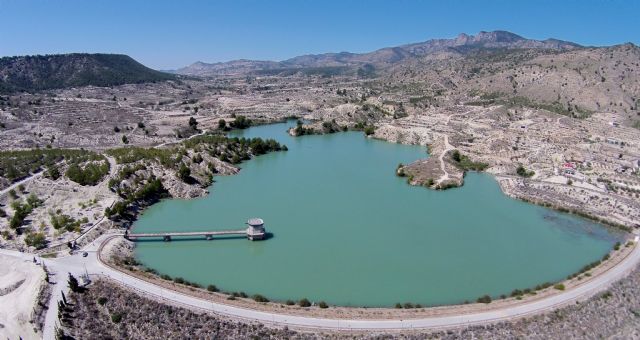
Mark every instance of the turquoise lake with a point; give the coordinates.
(346, 230)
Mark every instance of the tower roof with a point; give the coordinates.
(255, 221)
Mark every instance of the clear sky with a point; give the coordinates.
(171, 34)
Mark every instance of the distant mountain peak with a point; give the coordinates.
(498, 36)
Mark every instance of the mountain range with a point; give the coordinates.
(462, 44)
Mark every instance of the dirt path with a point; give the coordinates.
(182, 140)
(16, 184)
(447, 147)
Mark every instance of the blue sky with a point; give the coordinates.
(171, 34)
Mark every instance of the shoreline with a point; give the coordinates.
(379, 313)
(606, 224)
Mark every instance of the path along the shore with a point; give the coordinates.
(78, 265)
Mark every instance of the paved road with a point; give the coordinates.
(77, 265)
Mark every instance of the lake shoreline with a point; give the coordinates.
(107, 255)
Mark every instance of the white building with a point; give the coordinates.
(255, 229)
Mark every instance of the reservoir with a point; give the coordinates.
(346, 230)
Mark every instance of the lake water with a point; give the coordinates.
(346, 230)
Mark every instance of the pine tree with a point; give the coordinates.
(73, 284)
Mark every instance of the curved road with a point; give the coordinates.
(92, 265)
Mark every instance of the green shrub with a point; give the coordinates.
(559, 286)
(484, 299)
(21, 211)
(212, 288)
(304, 303)
(241, 122)
(89, 174)
(37, 240)
(522, 172)
(260, 298)
(184, 173)
(323, 304)
(66, 222)
(289, 303)
(464, 163)
(116, 317)
(102, 301)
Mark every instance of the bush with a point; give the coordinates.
(398, 305)
(400, 170)
(53, 172)
(465, 163)
(184, 173)
(522, 172)
(193, 123)
(102, 301)
(37, 240)
(74, 285)
(90, 174)
(408, 305)
(33, 200)
(212, 288)
(484, 299)
(66, 222)
(304, 303)
(20, 214)
(559, 286)
(260, 298)
(241, 122)
(323, 305)
(289, 303)
(455, 155)
(178, 280)
(116, 317)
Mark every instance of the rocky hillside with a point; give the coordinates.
(33, 73)
(574, 82)
(383, 57)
